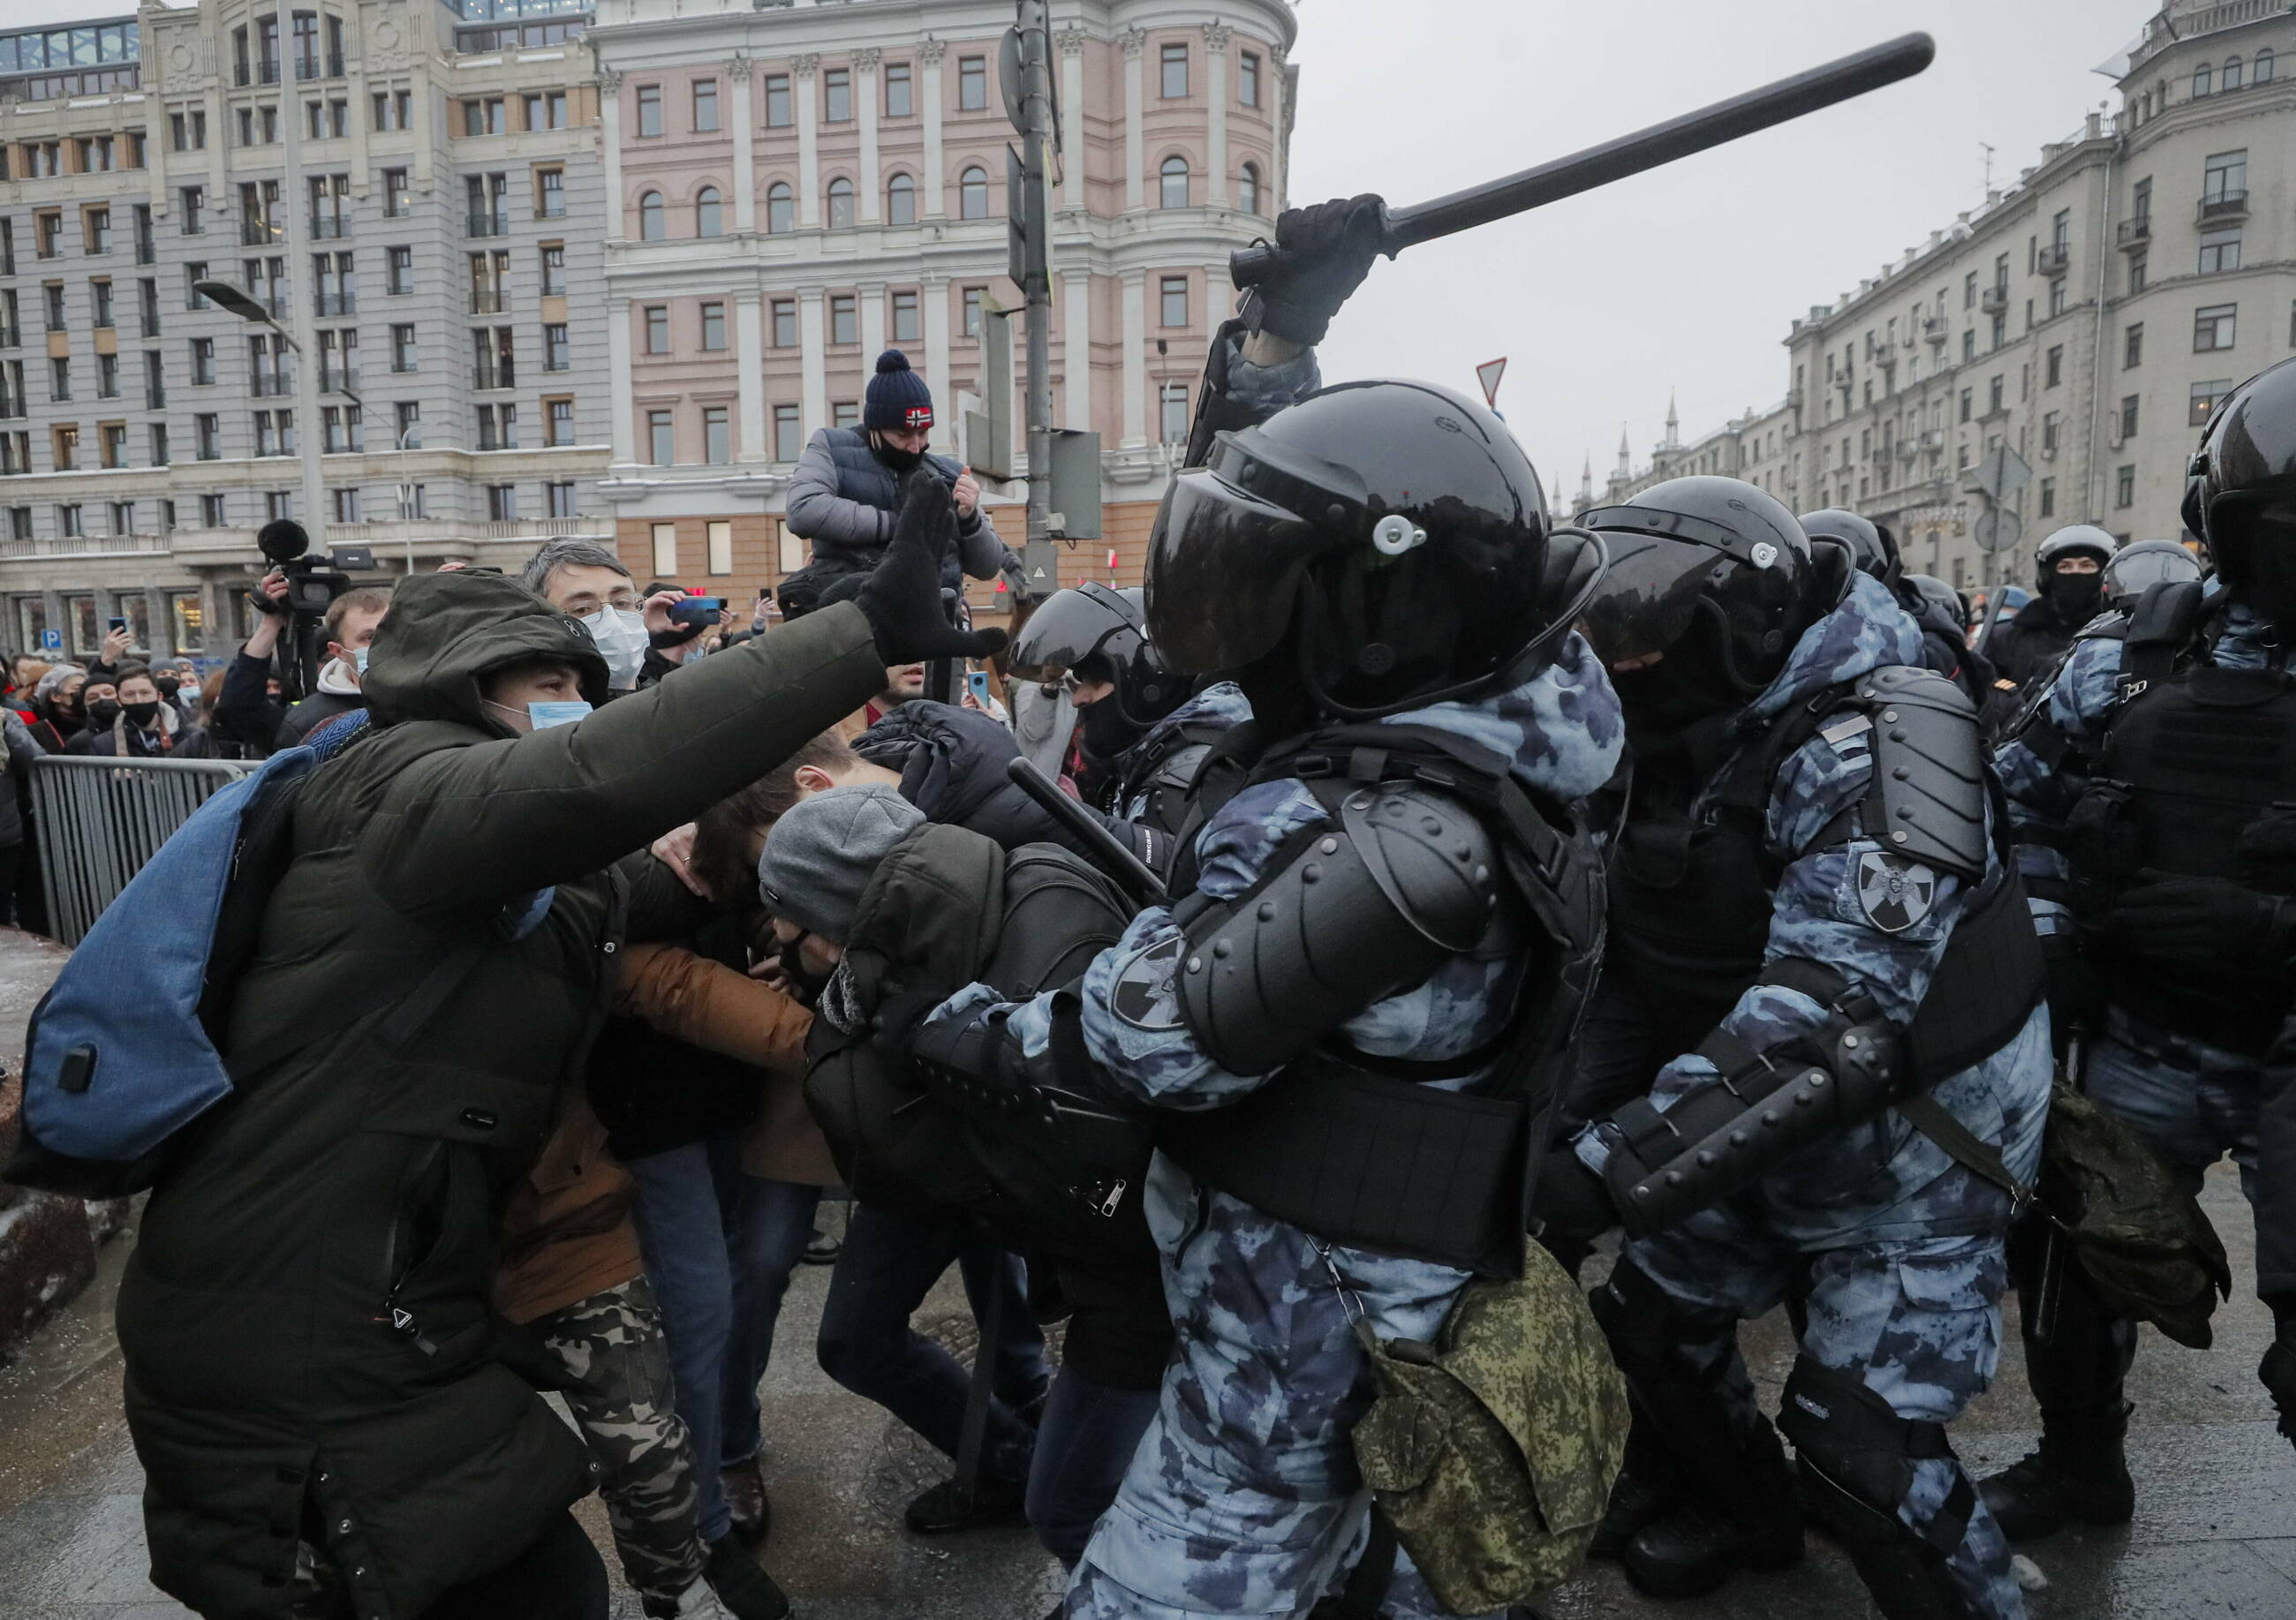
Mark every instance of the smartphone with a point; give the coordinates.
(119, 624)
(978, 680)
(695, 611)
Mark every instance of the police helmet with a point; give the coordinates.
(1394, 530)
(1715, 552)
(1872, 547)
(1102, 633)
(2074, 539)
(2137, 568)
(1941, 596)
(2240, 497)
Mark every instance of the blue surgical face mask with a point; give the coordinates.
(358, 660)
(543, 715)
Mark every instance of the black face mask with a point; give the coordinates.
(167, 688)
(1685, 687)
(1106, 731)
(898, 463)
(142, 713)
(2077, 597)
(104, 711)
(804, 984)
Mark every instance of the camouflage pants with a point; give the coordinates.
(611, 1349)
(1918, 1322)
(1243, 1498)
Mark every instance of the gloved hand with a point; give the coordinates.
(1570, 1199)
(901, 1015)
(2193, 921)
(901, 597)
(1326, 252)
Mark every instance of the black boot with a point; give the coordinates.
(1648, 1487)
(2079, 1474)
(1705, 1540)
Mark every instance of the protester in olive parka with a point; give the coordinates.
(2161, 854)
(304, 1321)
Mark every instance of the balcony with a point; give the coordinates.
(206, 453)
(83, 546)
(336, 304)
(8, 263)
(340, 380)
(486, 377)
(155, 399)
(1908, 449)
(554, 210)
(2131, 235)
(149, 325)
(145, 253)
(1935, 329)
(257, 233)
(486, 302)
(10, 335)
(2052, 260)
(490, 225)
(263, 387)
(2219, 209)
(1993, 299)
(332, 227)
(329, 66)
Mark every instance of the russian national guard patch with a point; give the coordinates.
(1893, 892)
(1144, 996)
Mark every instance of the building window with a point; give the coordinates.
(557, 350)
(840, 204)
(2136, 274)
(900, 100)
(406, 424)
(554, 269)
(502, 502)
(2124, 487)
(650, 219)
(2205, 398)
(844, 318)
(713, 326)
(2048, 497)
(900, 201)
(1174, 58)
(2263, 60)
(402, 348)
(971, 303)
(2204, 78)
(1247, 79)
(837, 96)
(649, 109)
(346, 506)
(396, 201)
(2052, 422)
(787, 440)
(550, 193)
(557, 423)
(2132, 347)
(2231, 80)
(661, 442)
(785, 323)
(2224, 180)
(207, 434)
(1969, 344)
(973, 193)
(1172, 182)
(972, 84)
(1247, 189)
(705, 106)
(2219, 249)
(1173, 302)
(907, 326)
(558, 499)
(716, 435)
(484, 116)
(2129, 416)
(67, 520)
(545, 110)
(1965, 395)
(665, 551)
(2053, 370)
(193, 209)
(781, 208)
(203, 353)
(777, 102)
(720, 534)
(844, 413)
(1172, 412)
(707, 212)
(656, 329)
(2213, 327)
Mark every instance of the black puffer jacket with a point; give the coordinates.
(304, 1319)
(951, 762)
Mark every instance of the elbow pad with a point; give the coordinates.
(1664, 1167)
(1353, 913)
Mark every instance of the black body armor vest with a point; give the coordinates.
(2196, 759)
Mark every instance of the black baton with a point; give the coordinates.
(1107, 851)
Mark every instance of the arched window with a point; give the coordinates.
(1174, 180)
(840, 203)
(900, 201)
(2232, 74)
(707, 213)
(781, 208)
(2263, 73)
(2203, 80)
(1247, 189)
(650, 218)
(973, 194)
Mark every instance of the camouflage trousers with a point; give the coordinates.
(612, 1350)
(1918, 1322)
(1243, 1498)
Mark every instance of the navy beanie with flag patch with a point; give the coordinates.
(897, 397)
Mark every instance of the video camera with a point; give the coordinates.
(313, 584)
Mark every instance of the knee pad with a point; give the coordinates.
(1858, 1456)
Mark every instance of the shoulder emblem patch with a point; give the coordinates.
(1144, 994)
(1895, 893)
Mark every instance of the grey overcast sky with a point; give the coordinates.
(1683, 279)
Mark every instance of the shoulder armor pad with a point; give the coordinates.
(1927, 801)
(1178, 769)
(1360, 910)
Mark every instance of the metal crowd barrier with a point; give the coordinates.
(100, 820)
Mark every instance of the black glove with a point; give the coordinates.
(901, 1015)
(901, 597)
(1571, 1200)
(1325, 251)
(2076, 995)
(2192, 922)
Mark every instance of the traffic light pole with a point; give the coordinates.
(1037, 282)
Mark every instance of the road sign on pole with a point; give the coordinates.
(1999, 529)
(1488, 374)
(2003, 473)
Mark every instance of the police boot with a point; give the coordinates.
(2278, 1372)
(1705, 1539)
(1648, 1488)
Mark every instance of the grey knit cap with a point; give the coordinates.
(822, 852)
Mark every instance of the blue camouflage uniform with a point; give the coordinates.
(1219, 706)
(1899, 1248)
(1244, 1498)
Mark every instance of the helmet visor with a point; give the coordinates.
(1645, 601)
(1224, 568)
(1067, 628)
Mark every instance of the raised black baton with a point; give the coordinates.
(1629, 154)
(1107, 851)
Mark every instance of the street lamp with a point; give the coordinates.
(235, 300)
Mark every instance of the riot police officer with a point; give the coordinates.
(1816, 940)
(1145, 730)
(2151, 790)
(1945, 644)
(2137, 568)
(1375, 567)
(2068, 569)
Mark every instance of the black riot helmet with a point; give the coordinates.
(2137, 568)
(2073, 540)
(2240, 497)
(1940, 596)
(1713, 555)
(1395, 530)
(1101, 633)
(1872, 547)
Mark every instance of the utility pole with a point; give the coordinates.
(294, 198)
(1037, 280)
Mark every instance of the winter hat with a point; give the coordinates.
(821, 855)
(897, 397)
